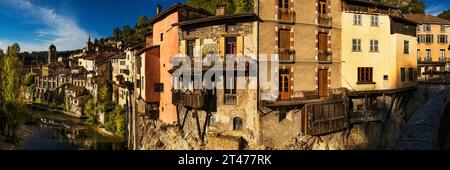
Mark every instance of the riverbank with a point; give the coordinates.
(78, 134)
(24, 132)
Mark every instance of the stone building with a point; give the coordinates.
(51, 82)
(228, 108)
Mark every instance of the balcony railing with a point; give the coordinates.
(286, 15)
(230, 99)
(325, 57)
(286, 55)
(325, 20)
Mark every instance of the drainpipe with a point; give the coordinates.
(257, 82)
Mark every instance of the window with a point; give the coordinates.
(411, 74)
(426, 28)
(230, 82)
(190, 48)
(403, 74)
(357, 19)
(365, 74)
(442, 28)
(418, 54)
(356, 45)
(284, 38)
(162, 37)
(428, 55)
(237, 123)
(442, 39)
(373, 45)
(323, 7)
(442, 55)
(283, 4)
(406, 47)
(374, 21)
(429, 38)
(418, 28)
(122, 62)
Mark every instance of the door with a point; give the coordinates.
(323, 83)
(323, 46)
(284, 85)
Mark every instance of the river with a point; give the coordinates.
(68, 134)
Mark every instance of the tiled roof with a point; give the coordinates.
(426, 19)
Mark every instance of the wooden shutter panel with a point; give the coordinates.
(222, 47)
(183, 47)
(240, 45)
(197, 51)
(323, 42)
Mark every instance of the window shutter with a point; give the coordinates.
(198, 51)
(222, 47)
(183, 47)
(240, 45)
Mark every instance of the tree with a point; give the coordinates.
(142, 27)
(117, 34)
(126, 34)
(414, 7)
(211, 5)
(116, 121)
(11, 99)
(445, 15)
(90, 109)
(243, 6)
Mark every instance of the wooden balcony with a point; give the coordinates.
(286, 15)
(324, 117)
(325, 57)
(325, 20)
(194, 100)
(286, 55)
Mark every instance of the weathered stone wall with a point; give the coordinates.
(422, 130)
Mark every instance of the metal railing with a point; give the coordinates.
(286, 55)
(325, 20)
(325, 57)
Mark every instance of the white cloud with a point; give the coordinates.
(60, 30)
(435, 10)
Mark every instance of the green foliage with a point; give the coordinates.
(142, 27)
(445, 15)
(29, 79)
(104, 95)
(116, 121)
(90, 110)
(117, 34)
(414, 7)
(232, 6)
(11, 100)
(42, 56)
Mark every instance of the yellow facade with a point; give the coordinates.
(435, 47)
(386, 64)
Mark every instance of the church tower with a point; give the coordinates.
(89, 45)
(52, 54)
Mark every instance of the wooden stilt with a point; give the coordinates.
(184, 120)
(198, 127)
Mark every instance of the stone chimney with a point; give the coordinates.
(158, 9)
(221, 10)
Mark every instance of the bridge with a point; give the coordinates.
(429, 127)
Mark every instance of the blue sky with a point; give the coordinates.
(35, 24)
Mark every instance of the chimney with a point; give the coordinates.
(158, 9)
(220, 10)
